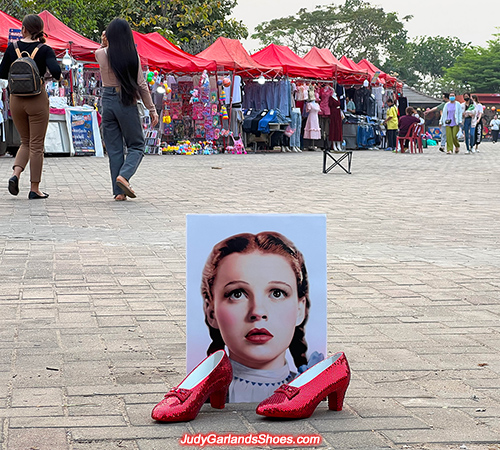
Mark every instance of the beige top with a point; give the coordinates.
(109, 78)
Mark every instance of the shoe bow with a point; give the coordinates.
(181, 394)
(289, 391)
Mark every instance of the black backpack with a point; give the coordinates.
(24, 76)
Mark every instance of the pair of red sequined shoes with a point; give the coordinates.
(296, 400)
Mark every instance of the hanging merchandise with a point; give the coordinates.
(223, 111)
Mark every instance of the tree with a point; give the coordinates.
(355, 29)
(69, 12)
(195, 23)
(477, 69)
(422, 61)
(184, 22)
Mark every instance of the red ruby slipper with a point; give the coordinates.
(298, 399)
(210, 378)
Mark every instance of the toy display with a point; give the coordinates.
(194, 116)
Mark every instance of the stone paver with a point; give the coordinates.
(92, 298)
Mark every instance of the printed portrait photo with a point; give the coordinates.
(256, 288)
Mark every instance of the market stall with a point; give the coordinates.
(237, 71)
(79, 87)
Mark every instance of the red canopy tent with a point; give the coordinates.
(6, 23)
(154, 50)
(232, 56)
(60, 35)
(323, 58)
(373, 70)
(352, 65)
(293, 65)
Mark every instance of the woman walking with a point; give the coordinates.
(30, 113)
(477, 125)
(452, 118)
(123, 85)
(495, 128)
(468, 108)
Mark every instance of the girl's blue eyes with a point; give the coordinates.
(238, 294)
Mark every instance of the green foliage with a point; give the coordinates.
(478, 69)
(182, 21)
(355, 29)
(195, 22)
(422, 61)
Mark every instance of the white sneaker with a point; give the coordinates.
(473, 151)
(467, 152)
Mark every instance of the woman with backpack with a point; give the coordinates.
(30, 108)
(123, 85)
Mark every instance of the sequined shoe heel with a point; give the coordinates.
(209, 379)
(299, 399)
(218, 399)
(336, 399)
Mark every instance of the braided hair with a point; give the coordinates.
(265, 242)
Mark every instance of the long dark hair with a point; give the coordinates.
(34, 26)
(123, 59)
(265, 242)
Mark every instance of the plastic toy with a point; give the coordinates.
(195, 96)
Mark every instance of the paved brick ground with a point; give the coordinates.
(92, 295)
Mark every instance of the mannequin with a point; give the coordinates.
(335, 132)
(312, 130)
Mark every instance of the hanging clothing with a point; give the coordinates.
(335, 132)
(324, 94)
(311, 95)
(296, 125)
(361, 99)
(379, 103)
(302, 93)
(341, 95)
(312, 130)
(402, 105)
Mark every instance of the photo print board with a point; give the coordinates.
(252, 285)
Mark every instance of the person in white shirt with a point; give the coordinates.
(495, 128)
(477, 125)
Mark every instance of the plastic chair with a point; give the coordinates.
(416, 139)
(409, 137)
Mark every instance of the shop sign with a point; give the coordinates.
(15, 34)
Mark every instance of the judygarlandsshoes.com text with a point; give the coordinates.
(215, 439)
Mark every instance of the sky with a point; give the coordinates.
(469, 21)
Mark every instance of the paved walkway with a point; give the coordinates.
(92, 297)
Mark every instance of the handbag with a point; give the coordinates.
(289, 131)
(141, 108)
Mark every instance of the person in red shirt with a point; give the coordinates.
(405, 122)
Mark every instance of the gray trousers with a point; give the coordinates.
(121, 123)
(443, 136)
